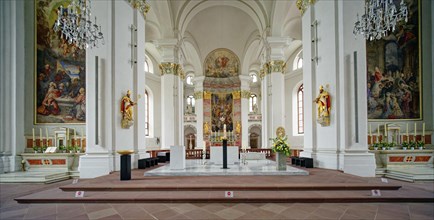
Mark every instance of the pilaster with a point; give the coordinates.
(245, 95)
(198, 96)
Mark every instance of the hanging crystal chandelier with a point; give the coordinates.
(380, 17)
(76, 26)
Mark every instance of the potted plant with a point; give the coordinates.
(282, 150)
(420, 145)
(70, 149)
(412, 145)
(405, 145)
(62, 149)
(36, 149)
(375, 146)
(43, 148)
(384, 145)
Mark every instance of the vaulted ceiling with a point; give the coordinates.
(238, 25)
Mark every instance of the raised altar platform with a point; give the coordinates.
(406, 165)
(252, 168)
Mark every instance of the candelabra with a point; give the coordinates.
(75, 25)
(380, 16)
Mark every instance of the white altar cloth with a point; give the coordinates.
(216, 154)
(177, 157)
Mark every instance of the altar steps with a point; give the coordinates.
(331, 196)
(226, 187)
(411, 174)
(34, 177)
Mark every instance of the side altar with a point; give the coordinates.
(53, 163)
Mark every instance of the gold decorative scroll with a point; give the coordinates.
(172, 68)
(245, 94)
(261, 73)
(236, 95)
(302, 5)
(277, 66)
(206, 95)
(141, 5)
(198, 95)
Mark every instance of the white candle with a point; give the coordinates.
(224, 130)
(385, 130)
(378, 131)
(423, 130)
(370, 131)
(415, 131)
(40, 136)
(75, 134)
(204, 146)
(46, 132)
(33, 129)
(82, 137)
(67, 136)
(407, 131)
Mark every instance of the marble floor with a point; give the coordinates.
(205, 168)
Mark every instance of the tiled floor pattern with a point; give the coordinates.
(9, 209)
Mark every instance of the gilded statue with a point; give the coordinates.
(323, 102)
(127, 110)
(238, 128)
(205, 128)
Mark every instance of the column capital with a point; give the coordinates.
(198, 83)
(198, 95)
(141, 5)
(245, 81)
(245, 94)
(276, 66)
(172, 68)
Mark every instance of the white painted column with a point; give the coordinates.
(171, 94)
(245, 95)
(120, 68)
(264, 109)
(277, 82)
(198, 96)
(12, 141)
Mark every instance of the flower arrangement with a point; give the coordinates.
(420, 144)
(280, 145)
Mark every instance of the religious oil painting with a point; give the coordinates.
(60, 77)
(221, 63)
(394, 71)
(221, 111)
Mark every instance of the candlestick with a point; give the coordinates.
(370, 131)
(75, 137)
(423, 130)
(67, 136)
(378, 131)
(33, 130)
(204, 145)
(407, 132)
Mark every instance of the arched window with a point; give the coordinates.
(189, 79)
(298, 61)
(254, 77)
(146, 113)
(148, 66)
(253, 103)
(300, 116)
(190, 104)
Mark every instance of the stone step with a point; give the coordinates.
(359, 196)
(33, 177)
(128, 186)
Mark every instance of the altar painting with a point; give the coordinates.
(60, 77)
(221, 111)
(394, 72)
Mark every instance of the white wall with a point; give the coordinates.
(292, 81)
(154, 85)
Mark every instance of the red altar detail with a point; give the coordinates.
(58, 161)
(409, 159)
(422, 158)
(35, 162)
(396, 159)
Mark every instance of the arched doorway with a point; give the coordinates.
(189, 137)
(255, 136)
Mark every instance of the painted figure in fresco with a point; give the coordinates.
(49, 104)
(79, 109)
(323, 102)
(127, 110)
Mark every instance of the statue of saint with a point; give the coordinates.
(238, 128)
(323, 102)
(127, 110)
(206, 128)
